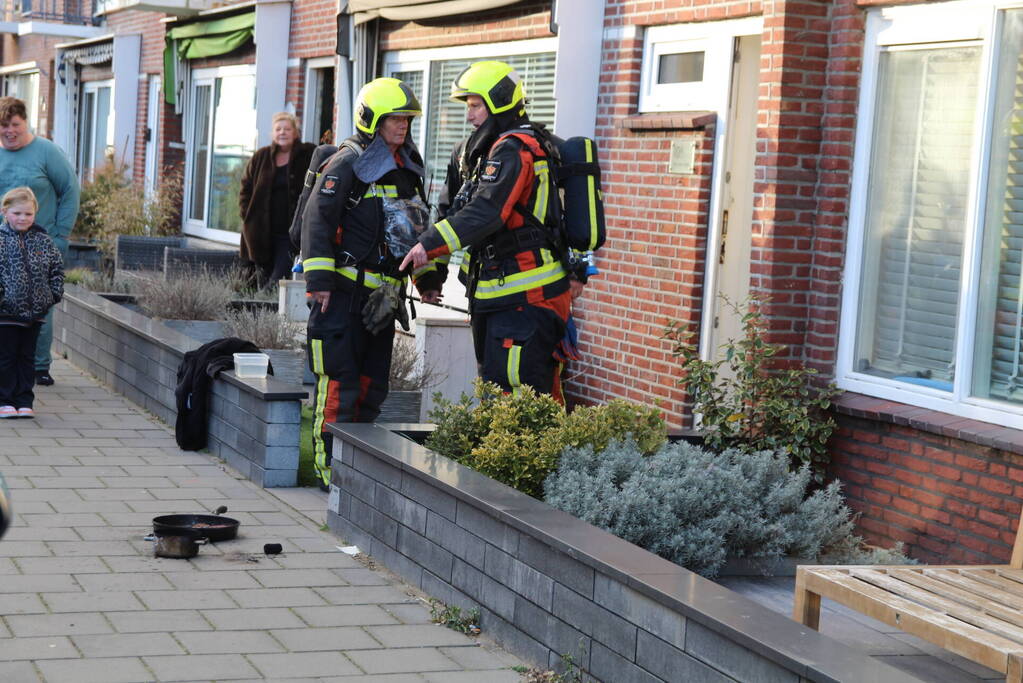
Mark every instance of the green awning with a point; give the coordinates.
(203, 39)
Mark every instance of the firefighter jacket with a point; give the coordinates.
(507, 225)
(342, 227)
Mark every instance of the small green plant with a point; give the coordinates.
(263, 327)
(570, 672)
(751, 401)
(195, 296)
(97, 281)
(518, 438)
(455, 618)
(112, 204)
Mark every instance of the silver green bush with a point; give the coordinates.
(698, 508)
(264, 328)
(195, 296)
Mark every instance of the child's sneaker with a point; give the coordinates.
(26, 412)
(8, 411)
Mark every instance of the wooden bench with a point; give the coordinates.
(975, 611)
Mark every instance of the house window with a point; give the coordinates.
(687, 67)
(430, 73)
(95, 127)
(318, 114)
(933, 308)
(221, 125)
(25, 86)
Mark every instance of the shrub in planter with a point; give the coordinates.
(517, 439)
(195, 296)
(697, 508)
(97, 281)
(112, 204)
(751, 401)
(263, 327)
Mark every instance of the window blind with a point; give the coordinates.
(918, 192)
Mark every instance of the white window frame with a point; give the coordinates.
(715, 39)
(909, 27)
(191, 226)
(313, 87)
(15, 71)
(86, 156)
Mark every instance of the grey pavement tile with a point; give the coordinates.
(27, 533)
(401, 660)
(414, 613)
(253, 618)
(62, 565)
(361, 595)
(104, 460)
(110, 433)
(76, 483)
(131, 534)
(279, 578)
(155, 483)
(57, 519)
(168, 492)
(153, 506)
(166, 471)
(7, 566)
(118, 670)
(40, 647)
(99, 471)
(362, 577)
(97, 506)
(97, 583)
(92, 602)
(8, 449)
(275, 519)
(333, 638)
(162, 621)
(90, 548)
(228, 642)
(201, 667)
(5, 632)
(28, 507)
(49, 456)
(21, 604)
(481, 657)
(276, 597)
(23, 625)
(303, 664)
(331, 559)
(29, 471)
(348, 615)
(117, 494)
(416, 635)
(127, 645)
(144, 563)
(196, 580)
(316, 543)
(494, 676)
(22, 672)
(43, 583)
(16, 547)
(379, 678)
(47, 495)
(247, 505)
(79, 442)
(181, 599)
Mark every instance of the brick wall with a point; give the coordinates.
(948, 499)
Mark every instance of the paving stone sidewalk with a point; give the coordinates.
(83, 599)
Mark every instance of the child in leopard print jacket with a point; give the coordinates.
(31, 282)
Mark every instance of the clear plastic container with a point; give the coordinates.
(250, 364)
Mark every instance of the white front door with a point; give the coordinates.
(733, 254)
(155, 98)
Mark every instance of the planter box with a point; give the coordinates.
(548, 584)
(253, 423)
(83, 255)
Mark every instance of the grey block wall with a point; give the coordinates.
(253, 424)
(549, 585)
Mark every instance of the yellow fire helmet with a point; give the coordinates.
(497, 83)
(382, 97)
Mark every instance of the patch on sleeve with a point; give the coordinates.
(491, 169)
(329, 187)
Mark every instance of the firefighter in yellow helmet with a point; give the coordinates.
(363, 214)
(499, 205)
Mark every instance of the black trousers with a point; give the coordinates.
(352, 368)
(280, 267)
(17, 364)
(515, 347)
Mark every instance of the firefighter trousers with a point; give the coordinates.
(352, 367)
(515, 347)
